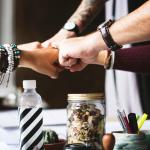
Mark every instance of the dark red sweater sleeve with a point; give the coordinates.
(135, 59)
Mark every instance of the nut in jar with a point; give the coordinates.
(85, 118)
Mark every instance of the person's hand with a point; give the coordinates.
(57, 38)
(43, 60)
(30, 46)
(76, 53)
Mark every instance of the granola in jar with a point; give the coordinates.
(85, 119)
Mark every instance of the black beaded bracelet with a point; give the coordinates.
(17, 54)
(4, 59)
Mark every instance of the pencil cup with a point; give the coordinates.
(147, 134)
(125, 141)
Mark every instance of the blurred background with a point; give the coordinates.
(23, 21)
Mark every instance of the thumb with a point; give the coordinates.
(46, 44)
(53, 72)
(67, 61)
(54, 45)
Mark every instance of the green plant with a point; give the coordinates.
(50, 136)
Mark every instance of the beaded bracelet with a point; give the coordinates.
(4, 59)
(10, 56)
(17, 54)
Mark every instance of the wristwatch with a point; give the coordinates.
(104, 29)
(71, 26)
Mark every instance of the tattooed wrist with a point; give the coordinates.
(87, 10)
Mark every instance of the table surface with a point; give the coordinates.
(54, 119)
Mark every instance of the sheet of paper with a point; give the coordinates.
(4, 146)
(9, 136)
(10, 119)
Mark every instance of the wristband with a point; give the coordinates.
(71, 26)
(104, 29)
(110, 60)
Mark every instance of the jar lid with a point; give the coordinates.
(77, 146)
(86, 96)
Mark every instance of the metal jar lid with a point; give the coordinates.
(86, 96)
(77, 146)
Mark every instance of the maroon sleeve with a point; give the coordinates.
(135, 59)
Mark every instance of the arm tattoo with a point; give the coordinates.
(87, 10)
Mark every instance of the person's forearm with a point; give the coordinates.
(27, 53)
(87, 10)
(134, 27)
(25, 59)
(135, 59)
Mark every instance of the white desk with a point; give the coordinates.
(53, 119)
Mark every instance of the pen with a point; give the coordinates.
(137, 117)
(121, 120)
(133, 122)
(126, 121)
(142, 120)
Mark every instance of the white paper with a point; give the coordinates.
(3, 146)
(10, 119)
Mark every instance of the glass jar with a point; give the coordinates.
(86, 119)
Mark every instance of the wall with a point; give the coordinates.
(39, 20)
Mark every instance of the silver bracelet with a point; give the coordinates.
(112, 60)
(9, 50)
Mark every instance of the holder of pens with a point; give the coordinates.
(132, 137)
(130, 141)
(147, 134)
